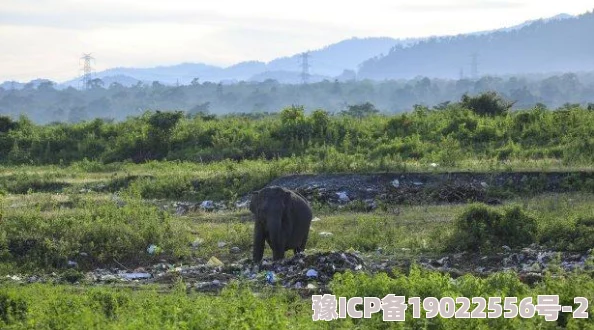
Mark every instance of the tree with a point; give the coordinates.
(488, 103)
(294, 125)
(46, 86)
(161, 125)
(360, 110)
(320, 121)
(292, 114)
(442, 105)
(164, 121)
(202, 108)
(77, 114)
(96, 83)
(7, 124)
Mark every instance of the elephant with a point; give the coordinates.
(282, 218)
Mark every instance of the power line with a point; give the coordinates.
(305, 67)
(474, 66)
(87, 70)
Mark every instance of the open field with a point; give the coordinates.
(79, 226)
(143, 224)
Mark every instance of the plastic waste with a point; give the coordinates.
(214, 262)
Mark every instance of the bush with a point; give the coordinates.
(488, 103)
(483, 227)
(105, 232)
(12, 309)
(570, 235)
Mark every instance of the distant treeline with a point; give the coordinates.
(476, 127)
(43, 103)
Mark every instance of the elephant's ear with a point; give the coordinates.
(254, 201)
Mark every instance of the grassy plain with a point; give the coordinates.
(111, 213)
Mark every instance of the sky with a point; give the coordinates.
(46, 38)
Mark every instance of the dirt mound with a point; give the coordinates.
(416, 188)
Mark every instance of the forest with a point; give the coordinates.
(43, 103)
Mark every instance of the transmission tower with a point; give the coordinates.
(87, 70)
(474, 66)
(305, 67)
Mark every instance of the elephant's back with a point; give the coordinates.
(302, 208)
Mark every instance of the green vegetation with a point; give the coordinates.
(100, 194)
(64, 307)
(359, 139)
(49, 232)
(482, 227)
(44, 231)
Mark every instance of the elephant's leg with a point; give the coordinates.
(304, 241)
(259, 240)
(278, 254)
(276, 238)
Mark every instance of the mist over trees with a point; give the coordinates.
(43, 103)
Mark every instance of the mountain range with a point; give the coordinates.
(559, 43)
(543, 46)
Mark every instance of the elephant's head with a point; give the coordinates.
(269, 202)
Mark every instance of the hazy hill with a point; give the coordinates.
(334, 59)
(286, 77)
(555, 45)
(327, 62)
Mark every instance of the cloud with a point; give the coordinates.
(459, 6)
(67, 14)
(82, 19)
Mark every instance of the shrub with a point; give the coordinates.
(483, 227)
(12, 309)
(103, 231)
(488, 103)
(570, 235)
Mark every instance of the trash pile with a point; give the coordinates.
(405, 188)
(529, 263)
(396, 191)
(365, 191)
(313, 271)
(309, 272)
(181, 208)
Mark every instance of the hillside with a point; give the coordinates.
(558, 45)
(389, 58)
(344, 55)
(327, 62)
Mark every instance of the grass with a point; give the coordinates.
(47, 232)
(227, 180)
(237, 307)
(41, 229)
